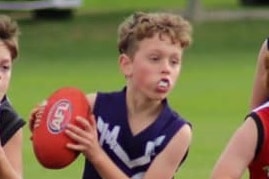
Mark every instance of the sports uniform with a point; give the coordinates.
(132, 154)
(259, 167)
(10, 122)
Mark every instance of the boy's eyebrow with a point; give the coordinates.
(5, 60)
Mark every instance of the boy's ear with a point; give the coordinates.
(125, 65)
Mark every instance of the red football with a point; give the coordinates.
(49, 139)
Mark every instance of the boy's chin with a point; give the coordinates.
(160, 97)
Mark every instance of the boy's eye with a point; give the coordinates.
(5, 68)
(154, 58)
(175, 61)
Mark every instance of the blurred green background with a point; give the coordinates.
(213, 91)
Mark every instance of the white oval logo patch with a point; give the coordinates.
(59, 115)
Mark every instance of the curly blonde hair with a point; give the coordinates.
(9, 33)
(142, 25)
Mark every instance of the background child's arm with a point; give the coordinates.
(260, 90)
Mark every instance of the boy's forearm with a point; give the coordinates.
(6, 170)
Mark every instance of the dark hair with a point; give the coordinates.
(9, 33)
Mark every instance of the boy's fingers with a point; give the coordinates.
(36, 115)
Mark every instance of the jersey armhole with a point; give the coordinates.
(260, 131)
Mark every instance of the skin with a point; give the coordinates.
(240, 150)
(154, 61)
(11, 153)
(150, 65)
(260, 89)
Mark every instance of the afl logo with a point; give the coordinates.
(59, 115)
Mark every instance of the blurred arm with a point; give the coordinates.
(238, 154)
(260, 91)
(11, 158)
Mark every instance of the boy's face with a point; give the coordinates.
(155, 66)
(5, 69)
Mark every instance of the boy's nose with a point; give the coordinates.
(166, 67)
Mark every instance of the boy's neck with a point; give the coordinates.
(142, 112)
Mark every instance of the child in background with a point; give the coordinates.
(133, 132)
(248, 147)
(260, 88)
(10, 123)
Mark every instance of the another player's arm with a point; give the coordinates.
(239, 152)
(11, 158)
(260, 90)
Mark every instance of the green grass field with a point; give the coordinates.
(213, 91)
(95, 5)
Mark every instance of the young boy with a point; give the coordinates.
(248, 147)
(10, 123)
(133, 132)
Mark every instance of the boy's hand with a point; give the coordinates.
(35, 116)
(85, 137)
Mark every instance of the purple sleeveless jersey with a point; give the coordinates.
(132, 154)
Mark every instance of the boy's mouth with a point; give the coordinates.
(163, 85)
